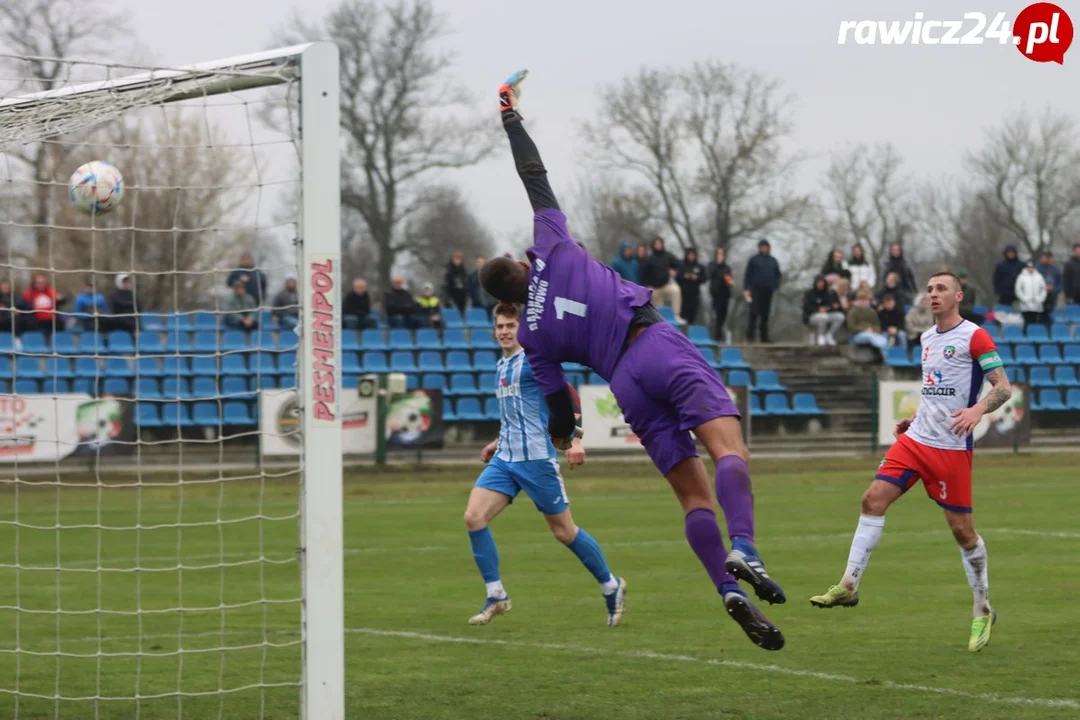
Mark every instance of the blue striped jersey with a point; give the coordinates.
(523, 412)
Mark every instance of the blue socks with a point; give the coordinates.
(485, 554)
(590, 555)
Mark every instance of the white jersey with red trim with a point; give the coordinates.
(954, 363)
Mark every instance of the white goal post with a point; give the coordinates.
(59, 120)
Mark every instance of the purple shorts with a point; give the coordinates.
(666, 388)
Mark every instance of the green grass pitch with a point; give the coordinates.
(411, 586)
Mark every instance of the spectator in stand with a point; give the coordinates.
(456, 281)
(761, 279)
(430, 307)
(690, 276)
(843, 290)
(479, 296)
(1030, 294)
(254, 279)
(891, 317)
(626, 264)
(863, 323)
(1005, 274)
(10, 318)
(658, 273)
(640, 253)
(43, 300)
(357, 306)
(897, 263)
(919, 319)
(90, 309)
(125, 306)
(835, 267)
(821, 312)
(1071, 279)
(861, 271)
(1051, 274)
(894, 287)
(240, 311)
(969, 301)
(721, 281)
(286, 305)
(401, 308)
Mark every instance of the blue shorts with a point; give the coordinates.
(540, 479)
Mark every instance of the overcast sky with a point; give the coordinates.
(932, 102)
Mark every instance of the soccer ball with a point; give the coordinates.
(96, 187)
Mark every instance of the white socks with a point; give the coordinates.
(978, 577)
(866, 539)
(610, 586)
(495, 589)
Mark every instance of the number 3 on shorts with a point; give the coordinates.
(943, 486)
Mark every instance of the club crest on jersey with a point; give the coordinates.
(949, 352)
(934, 377)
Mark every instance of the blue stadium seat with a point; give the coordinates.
(993, 331)
(1006, 354)
(754, 404)
(350, 364)
(412, 382)
(569, 367)
(448, 414)
(175, 366)
(7, 343)
(452, 318)
(29, 368)
(264, 382)
(1072, 399)
(120, 367)
(205, 414)
(1041, 377)
(1061, 333)
(979, 309)
(430, 361)
(150, 343)
(897, 356)
(5, 367)
(350, 341)
(806, 404)
(180, 342)
(232, 365)
(55, 386)
(63, 343)
(147, 415)
(455, 340)
(777, 404)
(428, 339)
(373, 340)
(1050, 355)
(492, 410)
(1013, 334)
(264, 363)
(175, 388)
(1072, 313)
(402, 361)
(594, 379)
(174, 414)
(477, 318)
(699, 335)
(1037, 334)
(152, 322)
(116, 386)
(58, 367)
(205, 365)
(203, 320)
(575, 379)
(732, 358)
(433, 382)
(120, 343)
(1025, 355)
(236, 414)
(1072, 354)
(1051, 400)
(234, 341)
(1065, 376)
(147, 388)
(469, 410)
(1000, 309)
(33, 343)
(288, 340)
(205, 342)
(483, 340)
(86, 366)
(710, 356)
(401, 339)
(205, 388)
(92, 343)
(84, 386)
(180, 321)
(1015, 374)
(25, 386)
(462, 384)
(486, 386)
(236, 387)
(266, 320)
(286, 363)
(738, 378)
(373, 362)
(668, 313)
(484, 361)
(768, 381)
(458, 361)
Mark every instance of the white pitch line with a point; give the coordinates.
(757, 667)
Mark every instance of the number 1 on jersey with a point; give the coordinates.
(565, 305)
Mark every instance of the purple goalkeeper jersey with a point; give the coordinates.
(578, 310)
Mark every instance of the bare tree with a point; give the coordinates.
(403, 117)
(612, 214)
(1027, 179)
(47, 35)
(867, 201)
(444, 224)
(709, 142)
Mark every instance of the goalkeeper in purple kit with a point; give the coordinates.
(578, 310)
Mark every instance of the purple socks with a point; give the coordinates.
(736, 497)
(704, 537)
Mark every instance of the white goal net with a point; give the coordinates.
(170, 438)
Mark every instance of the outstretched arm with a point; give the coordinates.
(530, 167)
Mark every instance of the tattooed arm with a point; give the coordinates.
(1002, 390)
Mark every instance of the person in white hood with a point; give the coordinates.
(1030, 294)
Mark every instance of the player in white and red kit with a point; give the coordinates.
(936, 446)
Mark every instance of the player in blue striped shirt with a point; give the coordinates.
(523, 458)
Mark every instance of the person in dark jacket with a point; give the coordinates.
(124, 304)
(893, 286)
(835, 267)
(356, 307)
(477, 295)
(821, 311)
(626, 264)
(286, 304)
(1052, 275)
(658, 273)
(1070, 282)
(10, 305)
(891, 316)
(400, 306)
(1005, 274)
(760, 281)
(254, 279)
(721, 280)
(970, 300)
(897, 263)
(456, 282)
(690, 276)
